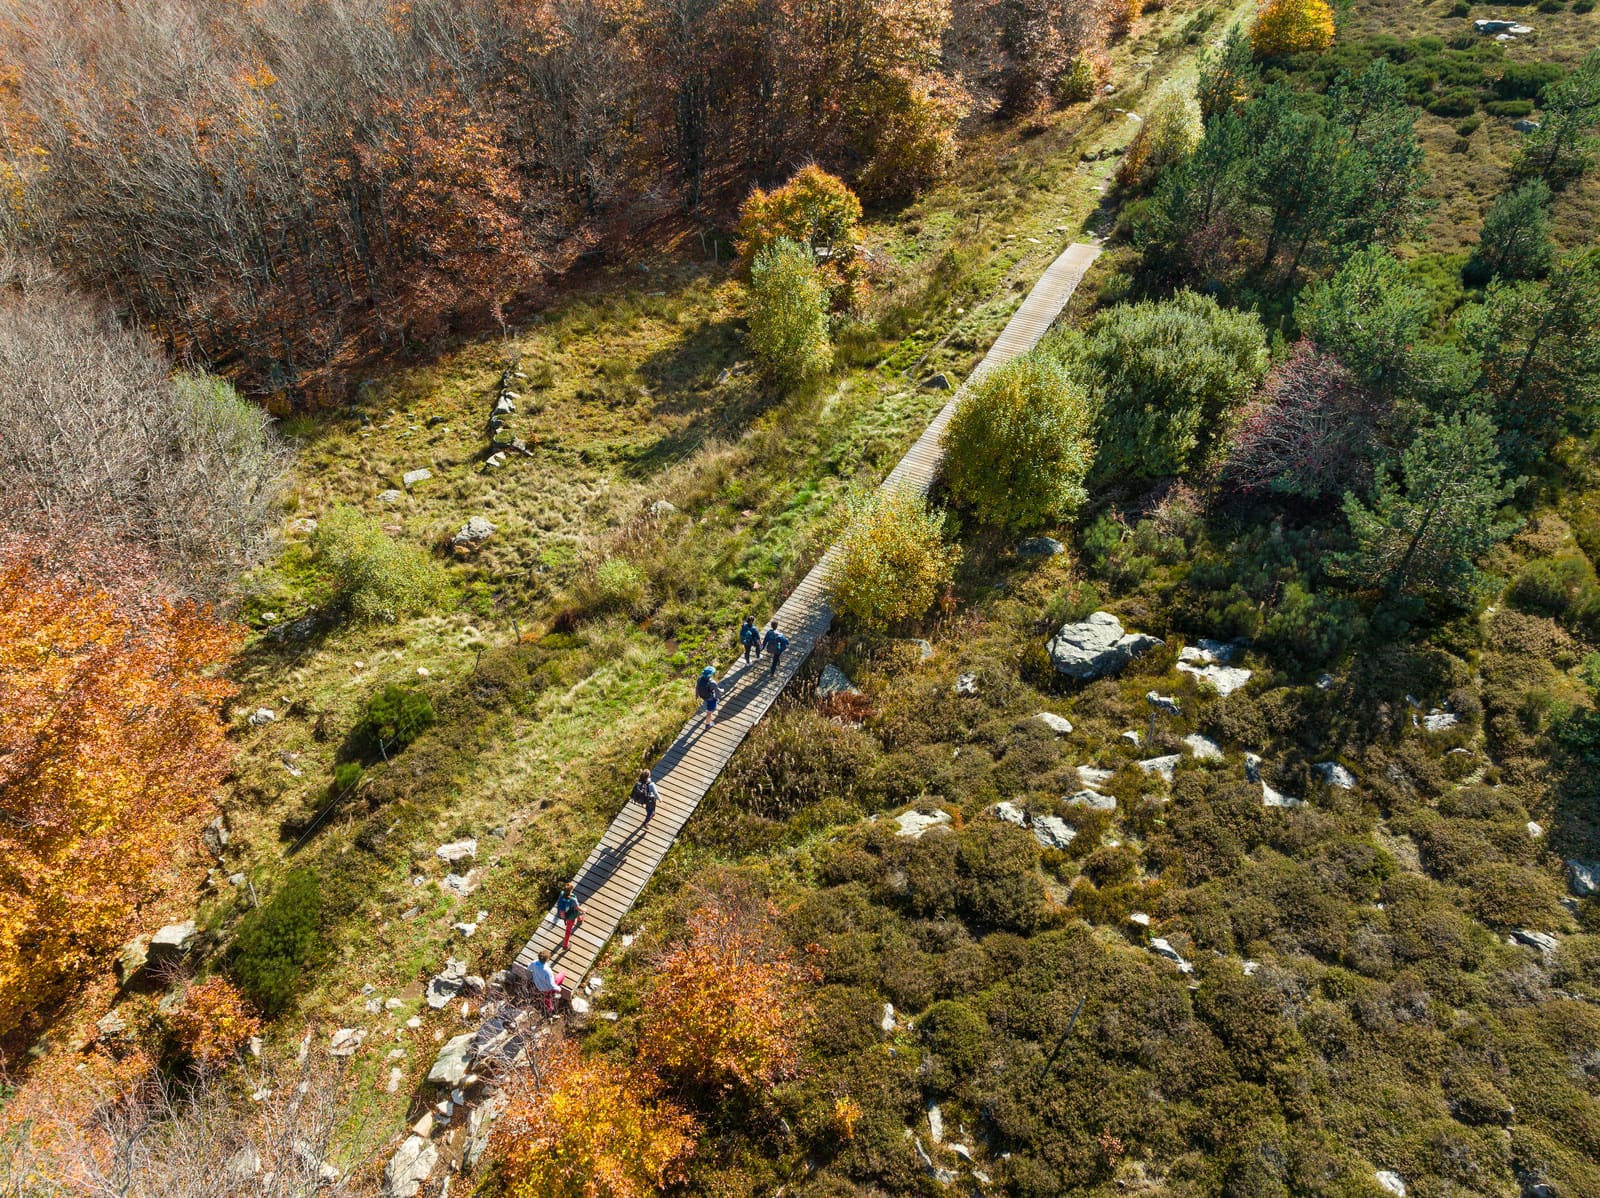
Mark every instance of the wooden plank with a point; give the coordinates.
(689, 768)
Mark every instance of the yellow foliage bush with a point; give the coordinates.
(892, 562)
(724, 1014)
(589, 1128)
(213, 1021)
(818, 211)
(1292, 27)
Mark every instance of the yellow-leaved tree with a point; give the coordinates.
(1292, 27)
(212, 1022)
(724, 1015)
(110, 744)
(818, 211)
(892, 562)
(586, 1127)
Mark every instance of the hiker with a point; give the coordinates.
(546, 980)
(775, 643)
(707, 691)
(750, 638)
(570, 911)
(645, 792)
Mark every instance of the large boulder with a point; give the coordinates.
(1211, 662)
(914, 823)
(454, 1059)
(1096, 647)
(473, 533)
(1057, 724)
(171, 943)
(409, 1167)
(835, 681)
(1583, 877)
(1050, 831)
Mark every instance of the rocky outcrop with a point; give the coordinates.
(1096, 647)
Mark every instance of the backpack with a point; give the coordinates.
(704, 688)
(780, 642)
(749, 634)
(643, 792)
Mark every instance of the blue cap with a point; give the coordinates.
(709, 670)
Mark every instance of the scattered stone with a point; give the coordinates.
(835, 681)
(1162, 948)
(967, 685)
(1090, 776)
(1093, 800)
(1438, 721)
(1096, 647)
(578, 1004)
(1335, 775)
(1499, 25)
(458, 850)
(132, 958)
(465, 929)
(1050, 831)
(1525, 126)
(391, 496)
(495, 460)
(1324, 682)
(1055, 723)
(915, 823)
(304, 525)
(445, 986)
(473, 533)
(393, 1004)
(1584, 878)
(1224, 679)
(662, 508)
(939, 382)
(1140, 918)
(1203, 747)
(1250, 968)
(1252, 767)
(1040, 547)
(261, 716)
(458, 885)
(1131, 737)
(1164, 703)
(453, 1061)
(409, 1167)
(412, 477)
(215, 837)
(111, 1024)
(346, 1040)
(935, 1123)
(1272, 798)
(887, 1022)
(1390, 1182)
(1535, 829)
(1161, 765)
(1542, 941)
(396, 1076)
(171, 942)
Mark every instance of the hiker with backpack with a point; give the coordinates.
(569, 911)
(750, 638)
(646, 794)
(708, 692)
(774, 643)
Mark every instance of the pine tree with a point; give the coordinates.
(1562, 149)
(1515, 242)
(1424, 531)
(1368, 315)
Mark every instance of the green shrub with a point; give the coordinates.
(788, 310)
(1077, 82)
(1168, 376)
(1509, 108)
(1582, 6)
(1469, 126)
(797, 759)
(929, 867)
(1459, 102)
(1507, 895)
(395, 717)
(892, 561)
(345, 776)
(956, 1034)
(275, 942)
(616, 585)
(1017, 448)
(373, 576)
(999, 884)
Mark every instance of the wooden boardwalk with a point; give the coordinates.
(621, 865)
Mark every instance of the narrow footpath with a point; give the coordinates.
(622, 864)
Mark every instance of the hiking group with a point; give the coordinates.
(756, 644)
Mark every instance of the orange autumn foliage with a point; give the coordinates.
(109, 745)
(213, 1021)
(1292, 27)
(588, 1128)
(724, 1014)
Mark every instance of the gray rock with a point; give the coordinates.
(835, 681)
(132, 958)
(1209, 651)
(1525, 126)
(1390, 1182)
(1324, 682)
(458, 850)
(1131, 737)
(935, 1123)
(1223, 679)
(886, 1023)
(409, 1167)
(1040, 547)
(412, 477)
(1252, 767)
(346, 1040)
(1271, 798)
(1162, 948)
(1500, 25)
(1163, 766)
(1140, 918)
(460, 885)
(1164, 703)
(1055, 723)
(261, 717)
(1438, 721)
(914, 823)
(495, 460)
(1091, 777)
(505, 406)
(1542, 941)
(1583, 877)
(1096, 647)
(1203, 747)
(111, 1024)
(939, 382)
(967, 685)
(474, 532)
(1334, 775)
(215, 837)
(662, 508)
(1093, 800)
(1050, 831)
(172, 942)
(453, 1061)
(1535, 829)
(391, 496)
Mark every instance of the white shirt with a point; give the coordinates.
(544, 978)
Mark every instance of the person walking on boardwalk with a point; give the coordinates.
(645, 793)
(569, 911)
(708, 692)
(774, 643)
(750, 638)
(547, 981)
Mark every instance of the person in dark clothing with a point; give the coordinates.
(708, 692)
(750, 638)
(569, 911)
(774, 643)
(645, 793)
